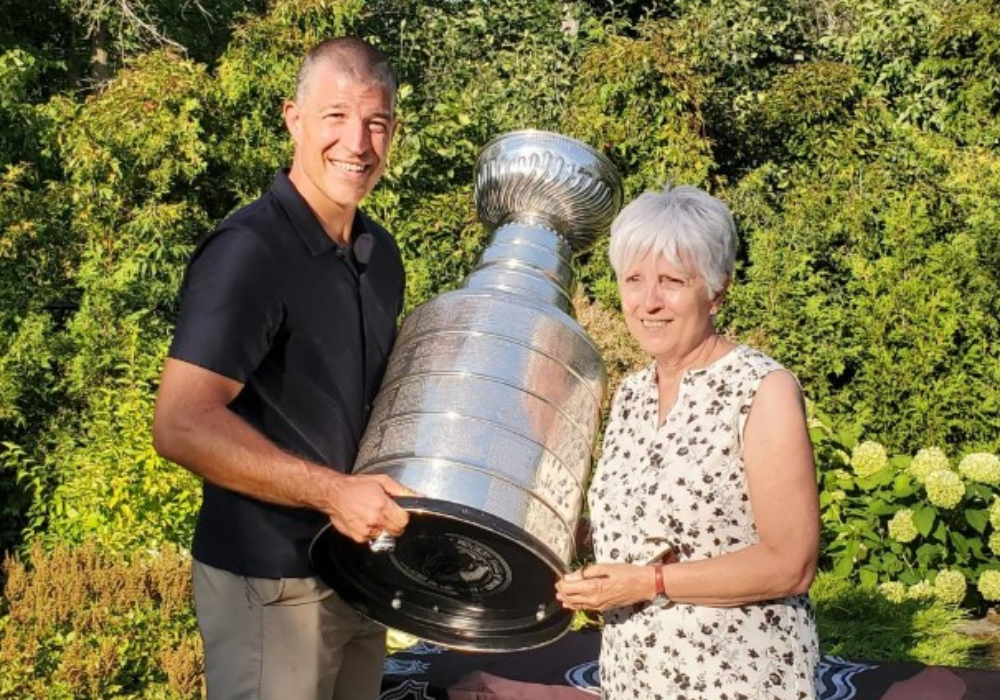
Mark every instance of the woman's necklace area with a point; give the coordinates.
(705, 355)
(668, 380)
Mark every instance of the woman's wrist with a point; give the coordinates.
(659, 598)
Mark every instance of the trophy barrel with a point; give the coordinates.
(489, 409)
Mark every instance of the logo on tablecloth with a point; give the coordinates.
(408, 690)
(834, 678)
(422, 648)
(586, 677)
(404, 667)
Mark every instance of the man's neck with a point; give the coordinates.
(337, 228)
(337, 220)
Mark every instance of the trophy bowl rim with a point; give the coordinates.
(544, 134)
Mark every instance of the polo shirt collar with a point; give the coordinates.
(304, 221)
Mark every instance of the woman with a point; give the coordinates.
(707, 455)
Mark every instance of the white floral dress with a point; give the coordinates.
(684, 482)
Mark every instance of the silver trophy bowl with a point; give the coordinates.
(490, 409)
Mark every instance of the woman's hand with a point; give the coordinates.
(604, 586)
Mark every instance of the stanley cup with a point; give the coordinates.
(490, 409)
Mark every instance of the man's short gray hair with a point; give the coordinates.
(354, 58)
(690, 228)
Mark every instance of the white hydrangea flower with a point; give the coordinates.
(995, 543)
(926, 461)
(869, 458)
(901, 527)
(923, 590)
(944, 488)
(893, 591)
(981, 468)
(995, 513)
(989, 585)
(950, 587)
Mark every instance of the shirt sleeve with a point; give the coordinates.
(231, 307)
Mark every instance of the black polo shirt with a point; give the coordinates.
(306, 325)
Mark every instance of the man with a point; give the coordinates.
(287, 318)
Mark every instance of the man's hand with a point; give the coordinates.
(362, 507)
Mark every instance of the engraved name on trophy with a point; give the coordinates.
(490, 408)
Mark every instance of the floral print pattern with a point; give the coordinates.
(684, 483)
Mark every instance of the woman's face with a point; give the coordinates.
(666, 310)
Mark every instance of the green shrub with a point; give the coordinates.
(920, 525)
(864, 278)
(107, 485)
(93, 282)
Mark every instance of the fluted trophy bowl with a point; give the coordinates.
(489, 409)
(550, 178)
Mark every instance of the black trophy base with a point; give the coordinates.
(458, 577)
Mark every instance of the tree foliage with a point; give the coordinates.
(855, 140)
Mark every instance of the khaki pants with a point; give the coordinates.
(284, 639)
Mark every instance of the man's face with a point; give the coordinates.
(342, 131)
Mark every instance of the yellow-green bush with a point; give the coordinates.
(76, 624)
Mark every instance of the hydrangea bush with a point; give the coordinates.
(918, 526)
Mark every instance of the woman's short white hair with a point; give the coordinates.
(693, 230)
